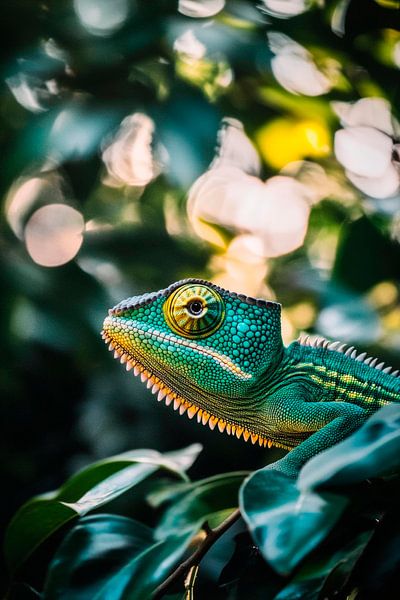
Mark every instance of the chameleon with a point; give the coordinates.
(219, 356)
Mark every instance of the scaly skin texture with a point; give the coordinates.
(219, 356)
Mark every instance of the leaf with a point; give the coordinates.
(322, 570)
(246, 574)
(87, 490)
(200, 501)
(371, 451)
(286, 523)
(379, 567)
(96, 548)
(287, 520)
(142, 575)
(108, 557)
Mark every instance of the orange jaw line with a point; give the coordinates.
(183, 406)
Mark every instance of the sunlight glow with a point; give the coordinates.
(271, 217)
(381, 187)
(188, 44)
(365, 146)
(284, 140)
(129, 157)
(286, 8)
(275, 211)
(363, 150)
(313, 177)
(243, 267)
(53, 234)
(31, 92)
(101, 17)
(294, 67)
(28, 194)
(235, 148)
(367, 112)
(200, 8)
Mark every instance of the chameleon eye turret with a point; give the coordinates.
(194, 311)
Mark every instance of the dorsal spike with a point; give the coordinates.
(395, 373)
(303, 339)
(380, 366)
(349, 351)
(361, 357)
(334, 345)
(368, 360)
(373, 363)
(387, 370)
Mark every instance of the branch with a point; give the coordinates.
(212, 536)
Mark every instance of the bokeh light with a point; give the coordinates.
(101, 17)
(363, 150)
(28, 194)
(366, 146)
(31, 92)
(53, 234)
(294, 68)
(189, 45)
(286, 8)
(286, 140)
(200, 8)
(129, 157)
(276, 211)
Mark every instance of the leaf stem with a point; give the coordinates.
(212, 536)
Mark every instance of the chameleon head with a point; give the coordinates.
(197, 345)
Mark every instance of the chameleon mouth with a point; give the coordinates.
(180, 404)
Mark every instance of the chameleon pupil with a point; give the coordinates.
(195, 308)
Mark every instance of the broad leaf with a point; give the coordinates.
(107, 557)
(87, 490)
(286, 523)
(200, 501)
(246, 574)
(320, 571)
(96, 548)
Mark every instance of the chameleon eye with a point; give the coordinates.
(194, 310)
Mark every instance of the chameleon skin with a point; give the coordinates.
(219, 356)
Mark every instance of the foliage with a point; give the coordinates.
(320, 533)
(114, 115)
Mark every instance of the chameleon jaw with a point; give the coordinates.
(178, 403)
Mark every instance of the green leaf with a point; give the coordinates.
(96, 548)
(371, 451)
(108, 557)
(327, 568)
(286, 523)
(246, 574)
(87, 490)
(200, 501)
(142, 575)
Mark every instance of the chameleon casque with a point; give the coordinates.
(218, 356)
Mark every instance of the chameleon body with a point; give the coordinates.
(218, 356)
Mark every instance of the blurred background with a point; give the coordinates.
(255, 144)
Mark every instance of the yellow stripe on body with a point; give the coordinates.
(353, 394)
